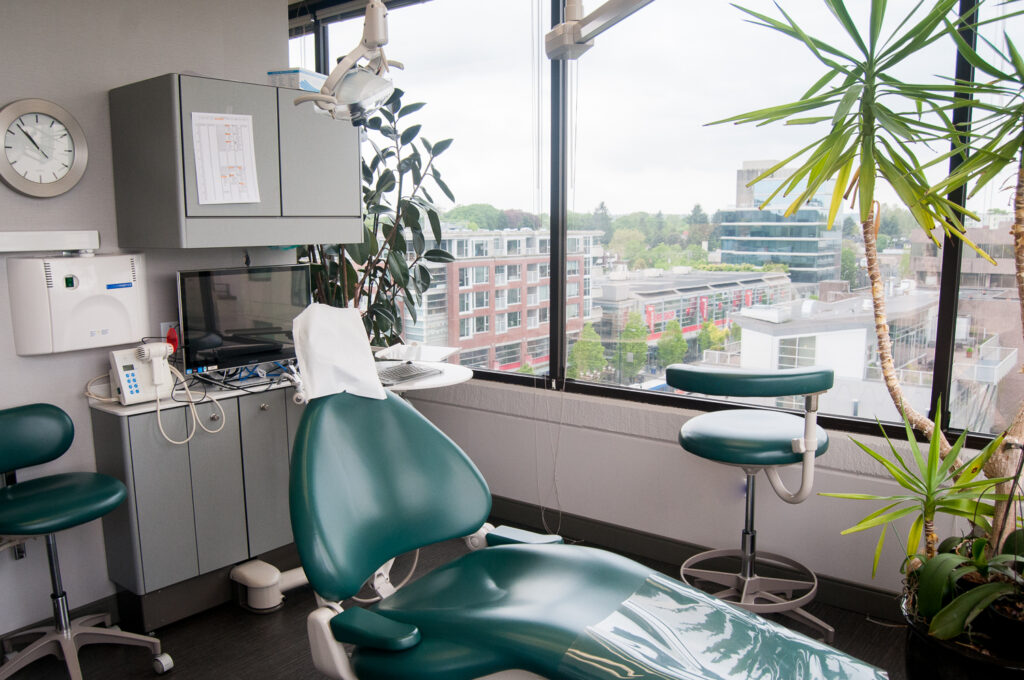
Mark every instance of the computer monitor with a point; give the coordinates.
(237, 317)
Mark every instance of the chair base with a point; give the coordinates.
(761, 594)
(82, 631)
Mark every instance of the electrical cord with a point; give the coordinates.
(92, 395)
(191, 403)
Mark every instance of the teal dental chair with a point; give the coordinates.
(372, 479)
(756, 440)
(32, 435)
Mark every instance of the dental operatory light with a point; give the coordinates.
(574, 36)
(354, 91)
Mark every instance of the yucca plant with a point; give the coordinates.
(932, 486)
(874, 127)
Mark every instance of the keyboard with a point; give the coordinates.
(399, 373)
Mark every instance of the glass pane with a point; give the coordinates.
(677, 259)
(301, 52)
(987, 386)
(487, 90)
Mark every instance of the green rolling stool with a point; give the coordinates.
(32, 435)
(755, 440)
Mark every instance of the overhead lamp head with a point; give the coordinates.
(353, 92)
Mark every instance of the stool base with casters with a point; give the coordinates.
(65, 637)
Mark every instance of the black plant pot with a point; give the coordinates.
(929, 658)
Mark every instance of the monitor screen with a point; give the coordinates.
(239, 317)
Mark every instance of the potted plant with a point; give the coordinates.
(385, 275)
(955, 590)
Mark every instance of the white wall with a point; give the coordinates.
(621, 463)
(72, 53)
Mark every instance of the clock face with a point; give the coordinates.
(44, 153)
(39, 148)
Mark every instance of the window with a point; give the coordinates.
(572, 268)
(545, 270)
(461, 248)
(531, 296)
(532, 320)
(500, 299)
(474, 358)
(507, 355)
(481, 324)
(480, 275)
(514, 319)
(499, 275)
(513, 247)
(514, 295)
(797, 352)
(465, 328)
(532, 273)
(479, 248)
(542, 314)
(465, 302)
(500, 323)
(514, 272)
(465, 277)
(480, 299)
(572, 289)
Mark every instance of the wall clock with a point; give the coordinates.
(44, 153)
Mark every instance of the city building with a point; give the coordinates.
(494, 301)
(752, 234)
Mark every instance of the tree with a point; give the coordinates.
(631, 350)
(711, 337)
(629, 245)
(848, 264)
(525, 368)
(586, 357)
(602, 220)
(672, 346)
(477, 216)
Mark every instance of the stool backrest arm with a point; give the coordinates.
(806, 445)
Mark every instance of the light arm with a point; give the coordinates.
(575, 35)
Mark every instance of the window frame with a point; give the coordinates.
(559, 241)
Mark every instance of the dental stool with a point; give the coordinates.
(756, 440)
(372, 479)
(32, 435)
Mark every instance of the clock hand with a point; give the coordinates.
(32, 140)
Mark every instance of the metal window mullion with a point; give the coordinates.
(559, 206)
(949, 285)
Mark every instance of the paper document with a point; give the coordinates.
(225, 158)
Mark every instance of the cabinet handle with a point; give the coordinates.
(215, 417)
(264, 407)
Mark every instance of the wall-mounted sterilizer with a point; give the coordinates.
(59, 304)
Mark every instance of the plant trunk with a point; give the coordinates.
(931, 540)
(918, 421)
(1004, 462)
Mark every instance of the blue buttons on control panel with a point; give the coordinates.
(133, 385)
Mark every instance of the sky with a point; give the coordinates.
(641, 99)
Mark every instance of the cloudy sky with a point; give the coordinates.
(641, 98)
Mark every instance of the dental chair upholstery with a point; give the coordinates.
(372, 479)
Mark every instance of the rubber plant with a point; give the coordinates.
(386, 275)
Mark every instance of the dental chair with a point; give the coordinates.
(372, 479)
(757, 440)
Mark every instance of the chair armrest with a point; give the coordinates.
(366, 628)
(505, 535)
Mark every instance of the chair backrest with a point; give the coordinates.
(370, 480)
(33, 434)
(730, 383)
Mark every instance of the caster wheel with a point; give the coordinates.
(162, 663)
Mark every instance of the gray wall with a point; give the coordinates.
(620, 462)
(72, 53)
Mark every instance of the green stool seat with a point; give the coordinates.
(57, 502)
(747, 437)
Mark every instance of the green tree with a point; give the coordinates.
(735, 332)
(672, 346)
(602, 220)
(848, 264)
(477, 216)
(629, 244)
(586, 357)
(525, 368)
(631, 350)
(711, 337)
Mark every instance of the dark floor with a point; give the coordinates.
(229, 643)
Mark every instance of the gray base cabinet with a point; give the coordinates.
(195, 508)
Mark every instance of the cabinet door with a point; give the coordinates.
(163, 498)
(320, 174)
(265, 462)
(208, 95)
(217, 494)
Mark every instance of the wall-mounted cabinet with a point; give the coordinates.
(306, 166)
